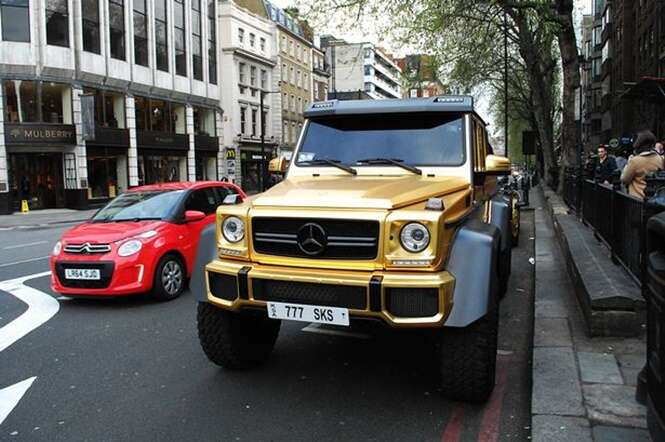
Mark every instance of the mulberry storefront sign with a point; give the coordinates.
(37, 133)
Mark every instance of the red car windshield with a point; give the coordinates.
(138, 206)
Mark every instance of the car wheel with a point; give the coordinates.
(236, 340)
(170, 278)
(467, 359)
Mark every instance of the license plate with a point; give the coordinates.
(308, 313)
(88, 274)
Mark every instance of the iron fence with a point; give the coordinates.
(617, 219)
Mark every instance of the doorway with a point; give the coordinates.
(36, 178)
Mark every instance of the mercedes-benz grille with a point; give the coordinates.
(316, 238)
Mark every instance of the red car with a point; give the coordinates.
(142, 241)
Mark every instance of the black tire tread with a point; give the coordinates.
(468, 360)
(236, 341)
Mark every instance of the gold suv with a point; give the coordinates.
(390, 210)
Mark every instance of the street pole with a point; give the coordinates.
(505, 78)
(263, 146)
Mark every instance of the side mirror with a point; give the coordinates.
(193, 215)
(232, 199)
(496, 165)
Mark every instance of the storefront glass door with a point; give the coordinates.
(37, 178)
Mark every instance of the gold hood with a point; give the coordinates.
(357, 192)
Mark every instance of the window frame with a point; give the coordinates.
(113, 53)
(143, 42)
(90, 46)
(25, 9)
(180, 54)
(162, 63)
(64, 16)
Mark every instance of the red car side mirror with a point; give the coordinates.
(194, 215)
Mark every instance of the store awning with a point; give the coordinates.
(647, 89)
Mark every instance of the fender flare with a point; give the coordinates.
(473, 262)
(501, 217)
(205, 252)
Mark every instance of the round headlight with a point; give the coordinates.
(414, 237)
(57, 248)
(233, 229)
(130, 247)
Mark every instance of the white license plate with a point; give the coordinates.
(88, 274)
(308, 313)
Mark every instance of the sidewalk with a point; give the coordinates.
(36, 218)
(583, 388)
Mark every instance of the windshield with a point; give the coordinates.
(139, 206)
(416, 139)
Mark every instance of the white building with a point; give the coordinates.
(361, 67)
(247, 62)
(152, 68)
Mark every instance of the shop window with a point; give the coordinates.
(15, 20)
(90, 25)
(212, 43)
(70, 171)
(197, 49)
(109, 108)
(203, 200)
(204, 122)
(140, 33)
(179, 37)
(161, 169)
(37, 102)
(206, 170)
(117, 28)
(103, 174)
(161, 35)
(160, 116)
(57, 23)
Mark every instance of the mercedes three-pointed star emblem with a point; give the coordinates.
(312, 239)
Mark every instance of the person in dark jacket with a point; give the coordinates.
(605, 167)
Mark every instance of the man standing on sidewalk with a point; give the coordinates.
(645, 161)
(606, 166)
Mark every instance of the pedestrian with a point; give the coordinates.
(621, 159)
(605, 167)
(645, 161)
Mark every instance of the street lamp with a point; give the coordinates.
(264, 169)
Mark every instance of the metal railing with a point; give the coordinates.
(617, 219)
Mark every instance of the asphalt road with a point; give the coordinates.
(132, 369)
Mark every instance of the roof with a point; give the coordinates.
(281, 17)
(443, 103)
(181, 185)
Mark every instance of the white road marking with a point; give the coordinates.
(18, 246)
(317, 328)
(41, 308)
(10, 396)
(24, 261)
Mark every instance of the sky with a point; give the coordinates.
(367, 32)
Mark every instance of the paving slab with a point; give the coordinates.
(630, 365)
(552, 332)
(602, 433)
(599, 368)
(549, 428)
(556, 385)
(614, 405)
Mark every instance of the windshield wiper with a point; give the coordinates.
(394, 161)
(335, 163)
(137, 219)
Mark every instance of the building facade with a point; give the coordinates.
(97, 97)
(420, 76)
(320, 75)
(248, 59)
(624, 51)
(361, 67)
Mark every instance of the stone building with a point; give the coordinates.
(152, 69)
(248, 58)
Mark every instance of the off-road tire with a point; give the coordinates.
(236, 341)
(159, 290)
(467, 359)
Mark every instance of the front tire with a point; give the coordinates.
(467, 359)
(170, 278)
(236, 341)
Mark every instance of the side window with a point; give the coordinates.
(479, 146)
(222, 192)
(202, 200)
